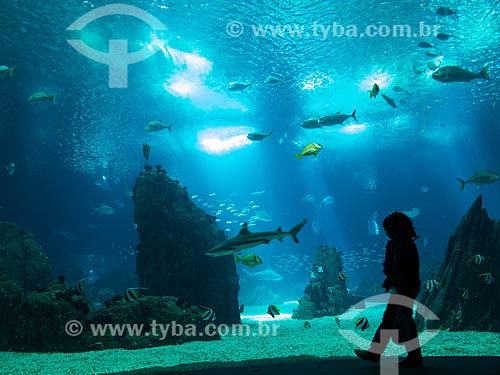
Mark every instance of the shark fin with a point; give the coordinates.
(244, 229)
(279, 229)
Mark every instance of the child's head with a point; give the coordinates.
(399, 225)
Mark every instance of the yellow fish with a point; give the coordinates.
(310, 149)
(249, 260)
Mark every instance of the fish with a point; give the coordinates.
(487, 278)
(478, 259)
(307, 325)
(443, 36)
(156, 126)
(337, 320)
(258, 136)
(415, 211)
(464, 294)
(103, 210)
(374, 91)
(398, 89)
(262, 216)
(5, 69)
(132, 294)
(479, 178)
(434, 64)
(362, 323)
(80, 285)
(310, 149)
(389, 101)
(272, 79)
(312, 123)
(431, 285)
(208, 315)
(432, 54)
(273, 310)
(342, 275)
(11, 168)
(246, 240)
(327, 201)
(445, 11)
(373, 228)
(308, 198)
(249, 260)
(41, 96)
(458, 314)
(451, 73)
(267, 275)
(242, 308)
(65, 234)
(238, 86)
(424, 44)
(336, 119)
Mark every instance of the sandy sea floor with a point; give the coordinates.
(322, 340)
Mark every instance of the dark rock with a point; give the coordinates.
(480, 311)
(174, 236)
(22, 259)
(325, 295)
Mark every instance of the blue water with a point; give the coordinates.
(395, 159)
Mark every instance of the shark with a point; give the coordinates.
(246, 240)
(267, 275)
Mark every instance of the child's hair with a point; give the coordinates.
(400, 224)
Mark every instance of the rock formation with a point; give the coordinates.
(466, 295)
(22, 259)
(42, 317)
(326, 293)
(174, 235)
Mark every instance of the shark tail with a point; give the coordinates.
(354, 116)
(296, 229)
(484, 73)
(53, 99)
(11, 71)
(462, 182)
(271, 133)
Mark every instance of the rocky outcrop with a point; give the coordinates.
(22, 259)
(60, 319)
(465, 297)
(326, 294)
(174, 235)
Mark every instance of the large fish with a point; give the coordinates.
(156, 126)
(336, 119)
(267, 275)
(258, 136)
(452, 73)
(479, 178)
(246, 240)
